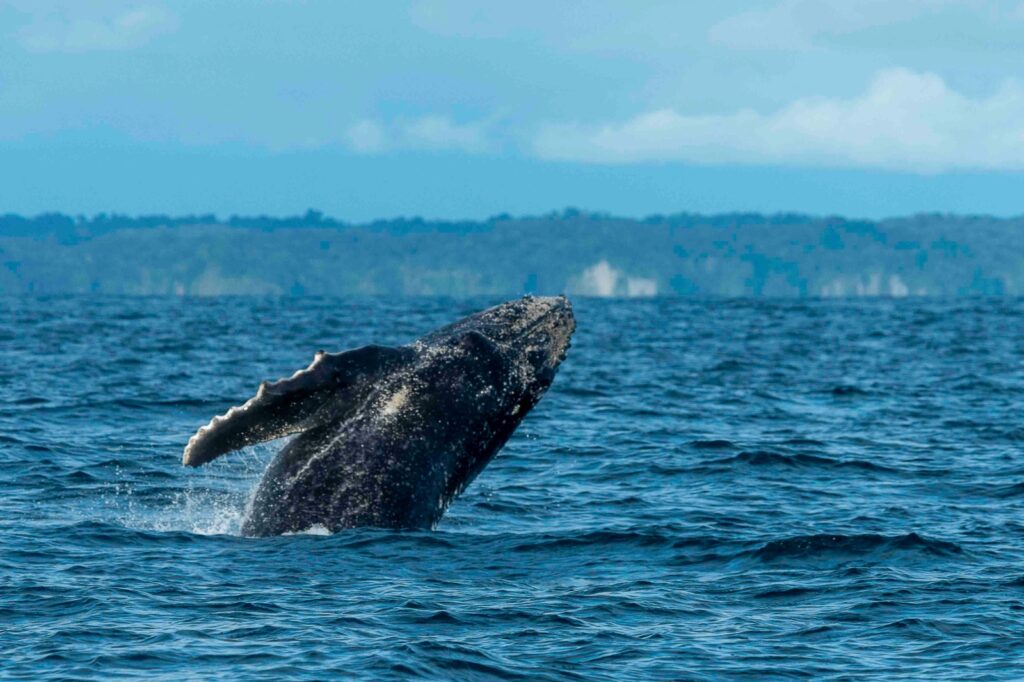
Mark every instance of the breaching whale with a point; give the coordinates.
(389, 436)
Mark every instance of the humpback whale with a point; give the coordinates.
(389, 436)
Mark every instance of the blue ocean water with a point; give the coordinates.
(710, 490)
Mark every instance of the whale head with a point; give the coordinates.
(533, 332)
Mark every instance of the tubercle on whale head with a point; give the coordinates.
(549, 337)
(535, 329)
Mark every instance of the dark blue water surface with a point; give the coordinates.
(711, 490)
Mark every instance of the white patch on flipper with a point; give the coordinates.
(396, 402)
(386, 410)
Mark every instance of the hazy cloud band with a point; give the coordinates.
(904, 120)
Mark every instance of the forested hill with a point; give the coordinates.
(569, 251)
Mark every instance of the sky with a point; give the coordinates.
(459, 109)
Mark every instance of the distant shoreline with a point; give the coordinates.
(573, 251)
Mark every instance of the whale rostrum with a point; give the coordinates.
(389, 436)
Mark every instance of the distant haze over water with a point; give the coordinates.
(573, 251)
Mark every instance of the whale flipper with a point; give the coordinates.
(305, 399)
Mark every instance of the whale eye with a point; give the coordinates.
(536, 355)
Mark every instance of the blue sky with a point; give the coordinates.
(446, 108)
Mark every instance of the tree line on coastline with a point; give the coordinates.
(574, 251)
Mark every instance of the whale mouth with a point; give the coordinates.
(542, 332)
(554, 329)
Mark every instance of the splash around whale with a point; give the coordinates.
(389, 436)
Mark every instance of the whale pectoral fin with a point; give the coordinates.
(302, 401)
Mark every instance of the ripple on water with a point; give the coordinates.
(712, 490)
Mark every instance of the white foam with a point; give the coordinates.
(209, 501)
(315, 529)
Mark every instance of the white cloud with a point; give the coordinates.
(366, 137)
(439, 133)
(459, 18)
(69, 28)
(571, 25)
(904, 120)
(805, 24)
(429, 133)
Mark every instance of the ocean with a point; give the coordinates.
(711, 490)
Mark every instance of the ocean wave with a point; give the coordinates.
(639, 537)
(655, 517)
(826, 545)
(848, 391)
(1004, 491)
(768, 458)
(717, 444)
